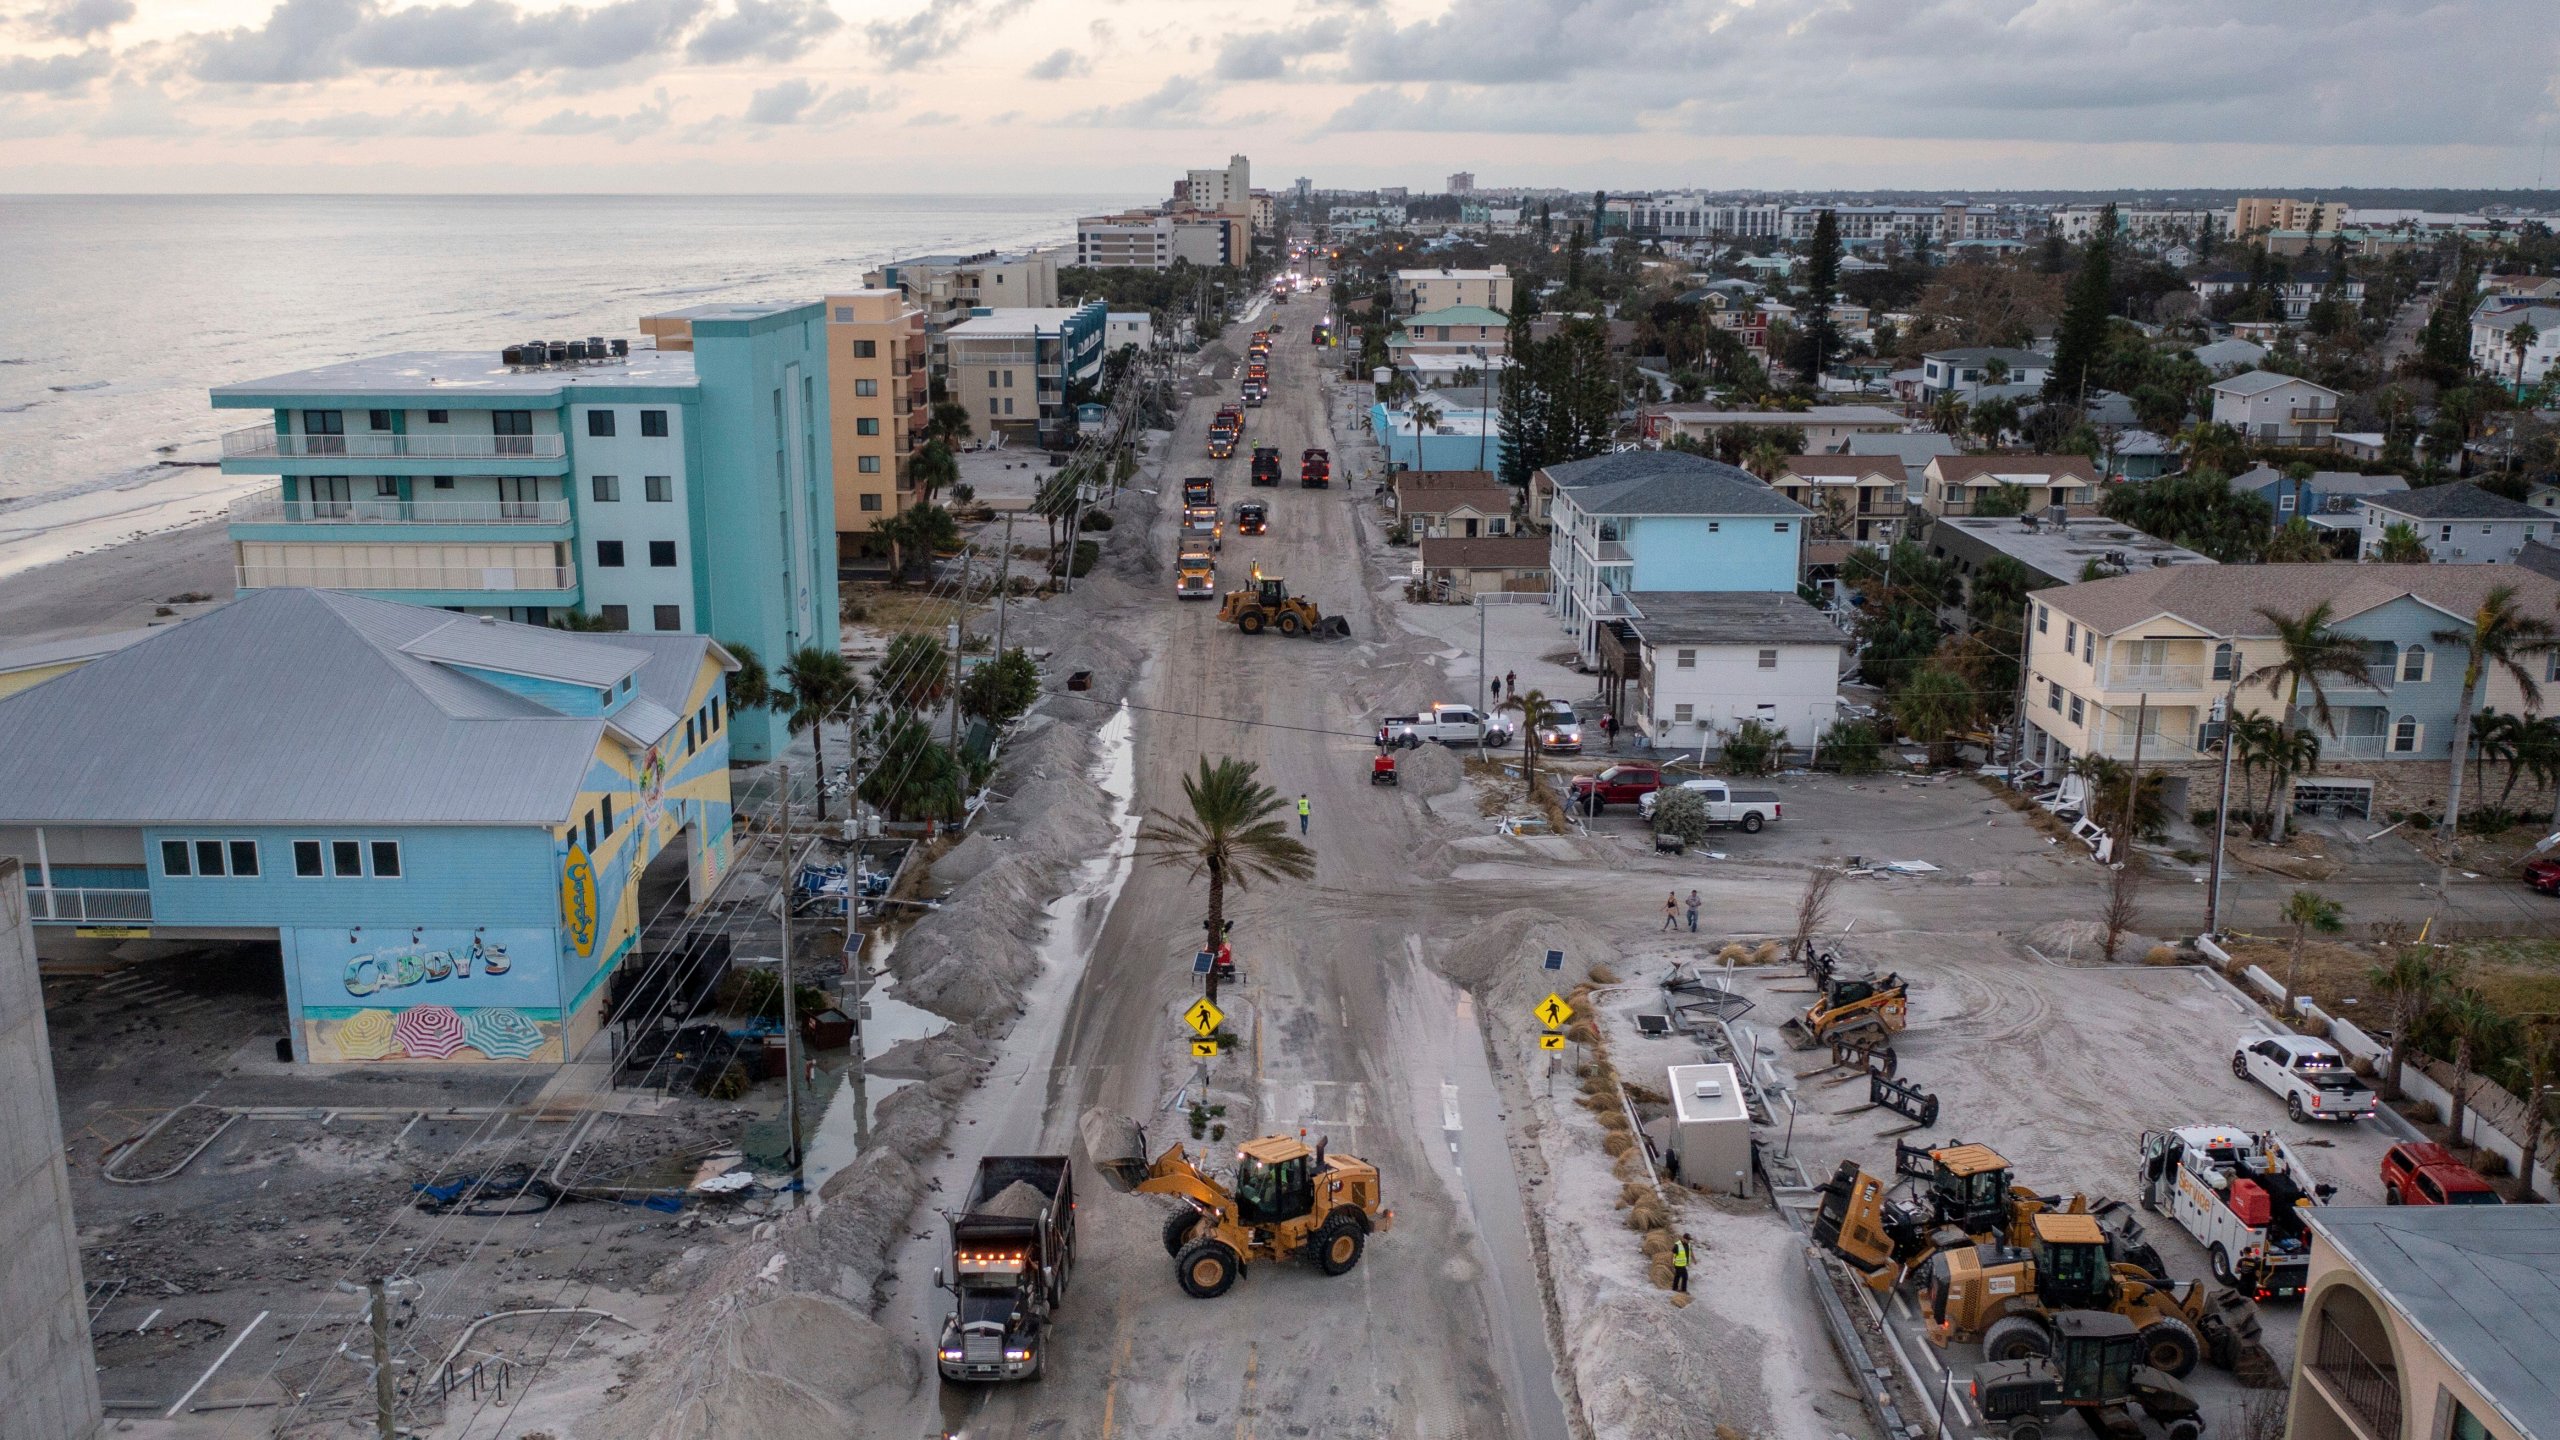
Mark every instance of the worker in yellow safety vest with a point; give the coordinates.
(1680, 1265)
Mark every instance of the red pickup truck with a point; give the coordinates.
(1617, 785)
(2422, 1173)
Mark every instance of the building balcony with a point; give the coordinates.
(2367, 1391)
(276, 510)
(68, 906)
(261, 442)
(551, 580)
(2313, 414)
(2171, 679)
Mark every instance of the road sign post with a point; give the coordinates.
(1203, 1018)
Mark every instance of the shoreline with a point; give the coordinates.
(117, 587)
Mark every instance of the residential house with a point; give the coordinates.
(1661, 520)
(1469, 330)
(878, 402)
(1125, 329)
(1686, 668)
(454, 830)
(1914, 448)
(1012, 368)
(2460, 523)
(2521, 287)
(2228, 357)
(1460, 503)
(1420, 291)
(2140, 455)
(2165, 645)
(1459, 568)
(1476, 378)
(24, 667)
(1462, 437)
(2540, 557)
(2293, 295)
(2050, 553)
(643, 489)
(1826, 428)
(1852, 497)
(1966, 372)
(1957, 484)
(2425, 1322)
(2276, 409)
(2495, 327)
(2329, 499)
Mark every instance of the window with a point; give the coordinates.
(605, 696)
(609, 554)
(2460, 1424)
(871, 501)
(444, 482)
(208, 857)
(617, 617)
(1008, 379)
(439, 417)
(244, 857)
(600, 424)
(306, 859)
(2076, 710)
(514, 431)
(607, 488)
(324, 432)
(2089, 646)
(866, 425)
(2445, 533)
(659, 489)
(662, 554)
(653, 424)
(1713, 526)
(2406, 734)
(2226, 661)
(866, 387)
(2413, 665)
(386, 487)
(591, 830)
(2053, 697)
(346, 859)
(668, 617)
(2042, 617)
(2070, 635)
(377, 420)
(175, 858)
(2284, 502)
(1688, 659)
(866, 349)
(1008, 405)
(867, 464)
(608, 817)
(1684, 713)
(1768, 659)
(386, 859)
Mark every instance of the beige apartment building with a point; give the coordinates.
(1443, 289)
(949, 287)
(2256, 214)
(878, 401)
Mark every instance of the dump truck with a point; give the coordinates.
(1195, 576)
(2096, 1369)
(1285, 1202)
(1315, 470)
(2244, 1197)
(1266, 465)
(1199, 490)
(1267, 604)
(1013, 1244)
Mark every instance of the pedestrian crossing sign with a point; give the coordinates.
(1552, 1012)
(1203, 1017)
(1551, 1041)
(1203, 1049)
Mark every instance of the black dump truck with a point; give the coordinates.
(1012, 1243)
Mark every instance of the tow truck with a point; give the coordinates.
(2241, 1194)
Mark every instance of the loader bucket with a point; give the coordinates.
(1799, 1034)
(2234, 1340)
(1116, 1146)
(1331, 627)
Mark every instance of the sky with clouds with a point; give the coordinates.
(1098, 95)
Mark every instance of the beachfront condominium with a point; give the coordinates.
(681, 489)
(1013, 368)
(948, 288)
(878, 402)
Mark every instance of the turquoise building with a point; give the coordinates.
(1659, 520)
(682, 489)
(453, 829)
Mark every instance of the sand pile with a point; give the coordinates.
(769, 1362)
(1020, 1200)
(1429, 770)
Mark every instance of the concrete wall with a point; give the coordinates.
(48, 1375)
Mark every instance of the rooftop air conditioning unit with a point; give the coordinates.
(621, 349)
(1710, 1089)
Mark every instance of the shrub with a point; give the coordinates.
(1616, 1142)
(2489, 1163)
(2422, 1112)
(1087, 552)
(1002, 688)
(1751, 748)
(1682, 813)
(1604, 975)
(1095, 520)
(1856, 746)
(2160, 955)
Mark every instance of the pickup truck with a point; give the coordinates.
(2243, 1196)
(1266, 465)
(1252, 517)
(1617, 785)
(2424, 1173)
(1013, 1241)
(2310, 1074)
(1560, 730)
(1748, 809)
(1447, 724)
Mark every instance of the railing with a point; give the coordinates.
(275, 510)
(261, 442)
(2354, 747)
(2314, 412)
(67, 906)
(409, 577)
(1606, 552)
(2166, 678)
(2371, 1390)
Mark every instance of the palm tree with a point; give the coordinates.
(1235, 832)
(1947, 413)
(2520, 340)
(2308, 912)
(1995, 371)
(1765, 458)
(2479, 1028)
(1425, 416)
(2309, 653)
(2288, 753)
(820, 686)
(578, 620)
(2500, 635)
(2400, 545)
(750, 687)
(2253, 743)
(948, 422)
(2413, 982)
(1532, 707)
(2541, 1067)
(2502, 738)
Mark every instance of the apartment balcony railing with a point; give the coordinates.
(410, 577)
(2370, 1389)
(2354, 747)
(275, 510)
(66, 906)
(261, 442)
(2324, 414)
(2112, 677)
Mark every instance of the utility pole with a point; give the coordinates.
(790, 999)
(2222, 807)
(1004, 581)
(2133, 783)
(379, 1294)
(954, 639)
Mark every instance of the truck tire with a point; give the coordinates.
(2240, 1067)
(1206, 1268)
(1339, 1243)
(1751, 823)
(2293, 1107)
(2026, 1427)
(1288, 624)
(1249, 622)
(2184, 1428)
(1178, 1227)
(2016, 1337)
(2219, 1261)
(2169, 1346)
(2390, 1194)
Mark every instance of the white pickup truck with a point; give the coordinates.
(1447, 724)
(1749, 809)
(2309, 1074)
(2243, 1196)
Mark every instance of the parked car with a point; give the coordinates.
(1560, 730)
(1617, 785)
(2421, 1172)
(2310, 1074)
(2543, 874)
(1444, 723)
(1748, 809)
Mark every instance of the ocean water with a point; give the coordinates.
(118, 313)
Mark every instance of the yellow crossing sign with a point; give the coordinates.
(1552, 1012)
(1203, 1017)
(1551, 1041)
(1203, 1049)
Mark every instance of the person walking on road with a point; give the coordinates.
(1671, 911)
(1693, 912)
(1511, 681)
(1680, 1265)
(1609, 729)
(1304, 810)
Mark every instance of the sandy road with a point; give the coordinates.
(1346, 1035)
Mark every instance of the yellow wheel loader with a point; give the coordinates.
(1267, 604)
(1286, 1202)
(1864, 1010)
(1961, 1195)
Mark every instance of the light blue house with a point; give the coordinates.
(1459, 437)
(452, 829)
(1659, 520)
(682, 489)
(2332, 500)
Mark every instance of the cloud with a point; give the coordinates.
(53, 74)
(1559, 111)
(417, 120)
(926, 119)
(764, 30)
(1174, 103)
(140, 112)
(938, 29)
(621, 128)
(77, 19)
(1060, 64)
(1267, 54)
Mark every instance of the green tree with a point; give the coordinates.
(2001, 500)
(914, 671)
(1002, 688)
(912, 777)
(2308, 654)
(579, 620)
(2307, 913)
(2297, 543)
(2541, 1067)
(1818, 340)
(750, 687)
(2500, 637)
(1235, 831)
(1524, 442)
(1933, 705)
(2400, 545)
(916, 533)
(2521, 340)
(948, 421)
(2199, 510)
(818, 686)
(2083, 332)
(934, 468)
(2411, 982)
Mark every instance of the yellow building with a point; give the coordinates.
(2430, 1323)
(2255, 214)
(878, 397)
